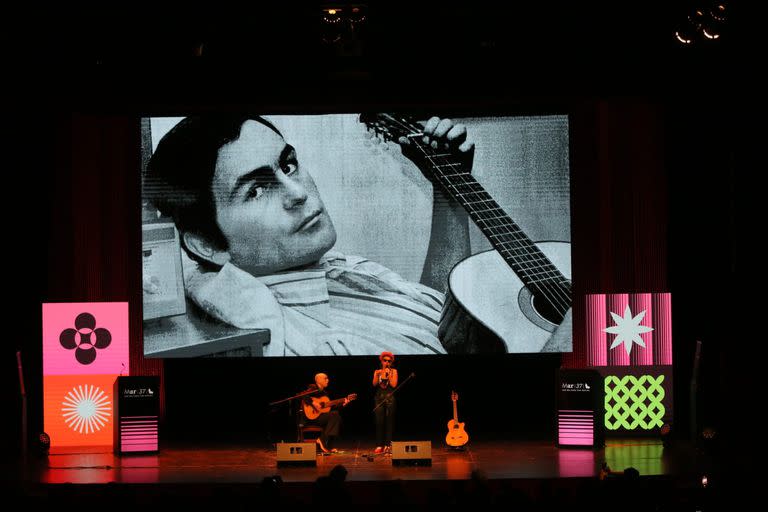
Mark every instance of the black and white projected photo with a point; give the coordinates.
(350, 234)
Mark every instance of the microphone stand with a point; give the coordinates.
(398, 388)
(294, 397)
(24, 439)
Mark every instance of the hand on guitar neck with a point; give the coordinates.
(440, 141)
(457, 436)
(437, 147)
(314, 407)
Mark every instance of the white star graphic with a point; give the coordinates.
(628, 329)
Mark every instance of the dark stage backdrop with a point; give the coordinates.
(631, 166)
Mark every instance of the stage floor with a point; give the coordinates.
(525, 474)
(251, 464)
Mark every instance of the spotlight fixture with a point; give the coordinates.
(343, 26)
(43, 444)
(718, 12)
(684, 36)
(705, 23)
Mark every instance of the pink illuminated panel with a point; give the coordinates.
(138, 434)
(615, 303)
(597, 319)
(85, 338)
(575, 428)
(629, 329)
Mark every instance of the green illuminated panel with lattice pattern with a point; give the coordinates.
(633, 403)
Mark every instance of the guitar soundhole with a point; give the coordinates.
(547, 310)
(540, 310)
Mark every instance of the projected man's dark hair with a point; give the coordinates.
(179, 176)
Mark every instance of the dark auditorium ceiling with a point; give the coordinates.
(475, 42)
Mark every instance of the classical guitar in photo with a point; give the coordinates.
(507, 300)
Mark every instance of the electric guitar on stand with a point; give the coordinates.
(457, 436)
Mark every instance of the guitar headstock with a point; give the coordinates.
(352, 396)
(454, 396)
(390, 127)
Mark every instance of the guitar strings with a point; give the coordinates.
(531, 254)
(528, 260)
(531, 259)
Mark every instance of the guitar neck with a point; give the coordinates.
(455, 413)
(530, 264)
(525, 259)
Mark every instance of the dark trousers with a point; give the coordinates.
(331, 423)
(385, 419)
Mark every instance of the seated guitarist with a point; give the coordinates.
(330, 421)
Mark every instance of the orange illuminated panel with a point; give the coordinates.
(79, 409)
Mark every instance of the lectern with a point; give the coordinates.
(580, 409)
(137, 410)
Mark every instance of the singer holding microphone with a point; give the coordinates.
(385, 382)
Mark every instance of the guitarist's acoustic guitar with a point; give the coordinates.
(507, 300)
(457, 436)
(314, 407)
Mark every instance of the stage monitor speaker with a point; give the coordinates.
(297, 454)
(412, 452)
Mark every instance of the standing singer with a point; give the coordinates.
(385, 382)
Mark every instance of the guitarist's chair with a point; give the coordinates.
(304, 427)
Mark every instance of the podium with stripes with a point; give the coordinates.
(137, 410)
(580, 409)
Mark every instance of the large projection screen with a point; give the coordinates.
(307, 235)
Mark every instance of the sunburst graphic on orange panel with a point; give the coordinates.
(79, 409)
(86, 409)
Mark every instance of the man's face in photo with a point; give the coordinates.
(267, 206)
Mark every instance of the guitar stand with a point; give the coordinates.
(457, 448)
